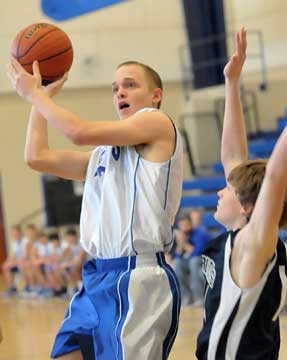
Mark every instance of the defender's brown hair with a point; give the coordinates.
(247, 179)
(153, 78)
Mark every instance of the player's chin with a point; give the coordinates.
(122, 117)
(220, 219)
(124, 114)
(217, 216)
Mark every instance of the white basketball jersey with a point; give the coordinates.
(129, 203)
(18, 247)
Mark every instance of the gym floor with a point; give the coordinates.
(29, 327)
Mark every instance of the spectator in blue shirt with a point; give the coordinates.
(190, 242)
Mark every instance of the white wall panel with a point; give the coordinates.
(145, 30)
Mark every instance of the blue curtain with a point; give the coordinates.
(60, 10)
(205, 19)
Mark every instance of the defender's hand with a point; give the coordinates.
(233, 68)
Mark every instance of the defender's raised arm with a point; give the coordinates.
(234, 141)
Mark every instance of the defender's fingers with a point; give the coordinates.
(244, 40)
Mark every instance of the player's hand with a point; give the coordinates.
(53, 88)
(24, 83)
(233, 68)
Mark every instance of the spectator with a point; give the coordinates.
(190, 242)
(15, 261)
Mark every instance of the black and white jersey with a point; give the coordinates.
(241, 324)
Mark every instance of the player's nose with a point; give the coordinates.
(220, 192)
(121, 93)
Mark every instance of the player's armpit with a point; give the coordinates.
(252, 252)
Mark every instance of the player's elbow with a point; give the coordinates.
(78, 136)
(34, 161)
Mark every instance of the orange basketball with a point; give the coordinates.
(47, 44)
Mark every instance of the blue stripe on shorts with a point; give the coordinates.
(97, 314)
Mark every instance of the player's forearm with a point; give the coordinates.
(64, 121)
(277, 164)
(234, 141)
(36, 137)
(269, 204)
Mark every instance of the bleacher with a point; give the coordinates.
(201, 192)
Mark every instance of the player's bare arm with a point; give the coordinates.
(66, 164)
(234, 141)
(260, 235)
(256, 243)
(153, 128)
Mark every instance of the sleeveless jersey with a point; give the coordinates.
(18, 247)
(129, 204)
(241, 324)
(44, 250)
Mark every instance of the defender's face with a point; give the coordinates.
(229, 209)
(130, 91)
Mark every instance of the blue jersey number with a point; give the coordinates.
(116, 151)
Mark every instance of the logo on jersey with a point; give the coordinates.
(116, 152)
(208, 268)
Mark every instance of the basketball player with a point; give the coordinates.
(129, 305)
(245, 268)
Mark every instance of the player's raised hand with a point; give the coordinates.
(53, 88)
(24, 83)
(233, 68)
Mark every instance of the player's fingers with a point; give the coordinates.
(11, 74)
(36, 70)
(237, 43)
(10, 70)
(62, 79)
(12, 65)
(12, 79)
(241, 42)
(244, 40)
(16, 65)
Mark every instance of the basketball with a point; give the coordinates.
(47, 44)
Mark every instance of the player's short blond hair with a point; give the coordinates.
(153, 78)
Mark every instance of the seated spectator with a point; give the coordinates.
(31, 233)
(53, 266)
(41, 258)
(190, 242)
(73, 258)
(15, 261)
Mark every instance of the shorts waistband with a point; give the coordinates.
(129, 262)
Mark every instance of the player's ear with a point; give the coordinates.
(157, 96)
